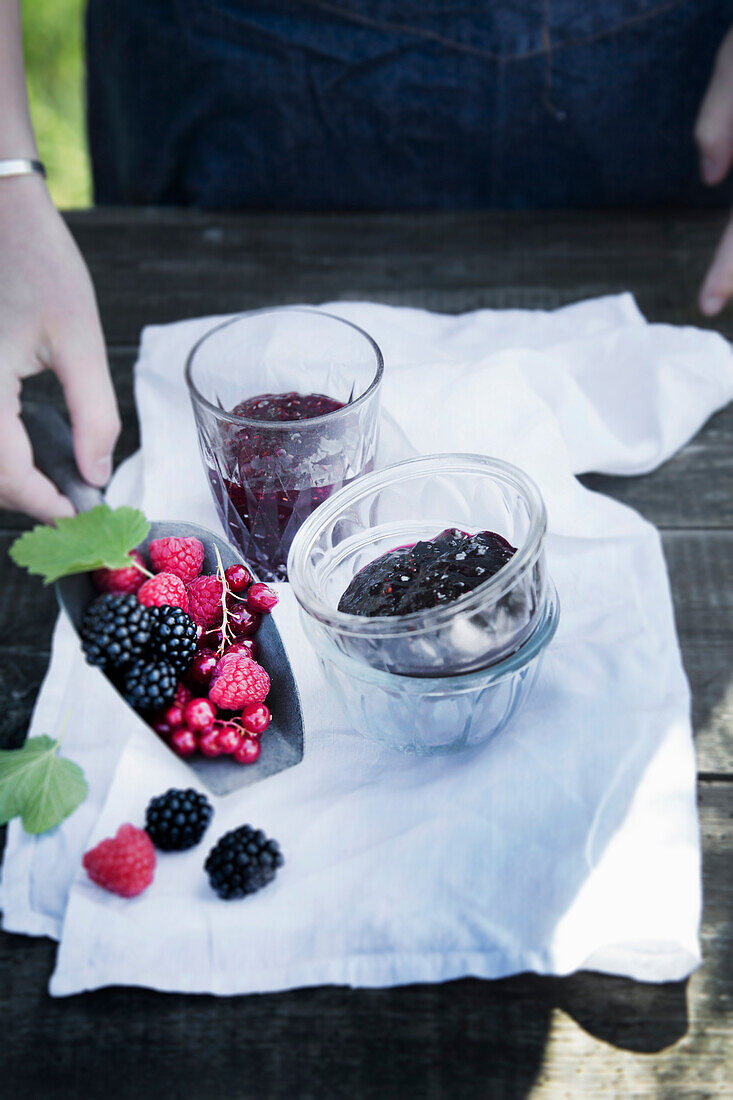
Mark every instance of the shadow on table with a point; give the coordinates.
(458, 1040)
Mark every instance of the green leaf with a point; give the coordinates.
(38, 785)
(101, 537)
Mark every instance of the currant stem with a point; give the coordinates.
(227, 634)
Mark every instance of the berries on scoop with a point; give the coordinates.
(183, 741)
(242, 862)
(165, 588)
(202, 668)
(149, 685)
(238, 577)
(120, 582)
(115, 631)
(261, 598)
(181, 556)
(199, 714)
(255, 718)
(238, 680)
(248, 750)
(204, 600)
(123, 864)
(209, 743)
(248, 646)
(178, 819)
(243, 623)
(172, 636)
(173, 715)
(229, 737)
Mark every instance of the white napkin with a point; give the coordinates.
(570, 841)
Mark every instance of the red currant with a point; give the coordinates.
(209, 742)
(243, 621)
(183, 694)
(255, 718)
(199, 714)
(184, 742)
(248, 646)
(162, 728)
(229, 739)
(202, 668)
(238, 577)
(173, 715)
(248, 751)
(213, 639)
(261, 598)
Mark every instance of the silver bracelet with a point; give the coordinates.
(20, 166)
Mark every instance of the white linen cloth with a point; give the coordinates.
(569, 842)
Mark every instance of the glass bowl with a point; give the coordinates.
(399, 505)
(428, 716)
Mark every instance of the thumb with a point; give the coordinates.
(714, 125)
(80, 362)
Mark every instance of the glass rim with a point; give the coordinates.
(427, 619)
(280, 425)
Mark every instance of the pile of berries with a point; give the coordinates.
(181, 648)
(241, 862)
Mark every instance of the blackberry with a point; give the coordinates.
(172, 636)
(149, 685)
(115, 631)
(177, 819)
(242, 862)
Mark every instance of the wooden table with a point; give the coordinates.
(586, 1035)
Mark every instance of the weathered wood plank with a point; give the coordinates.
(156, 266)
(521, 1037)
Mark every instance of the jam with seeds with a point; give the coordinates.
(426, 574)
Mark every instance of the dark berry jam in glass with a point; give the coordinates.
(274, 481)
(426, 574)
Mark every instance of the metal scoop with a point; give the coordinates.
(282, 742)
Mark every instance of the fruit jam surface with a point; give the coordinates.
(426, 574)
(275, 481)
(287, 406)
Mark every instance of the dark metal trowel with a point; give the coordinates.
(282, 743)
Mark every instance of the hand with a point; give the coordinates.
(48, 320)
(714, 137)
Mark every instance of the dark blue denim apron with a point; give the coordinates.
(399, 104)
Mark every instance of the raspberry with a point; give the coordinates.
(261, 598)
(182, 557)
(121, 582)
(238, 680)
(204, 600)
(124, 864)
(165, 588)
(183, 694)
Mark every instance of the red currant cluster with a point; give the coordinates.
(219, 706)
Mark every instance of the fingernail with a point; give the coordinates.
(709, 170)
(102, 470)
(711, 303)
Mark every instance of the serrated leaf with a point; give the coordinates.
(38, 785)
(100, 537)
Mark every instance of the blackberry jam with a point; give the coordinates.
(277, 481)
(426, 574)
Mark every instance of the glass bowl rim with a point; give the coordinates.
(429, 618)
(278, 425)
(533, 647)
